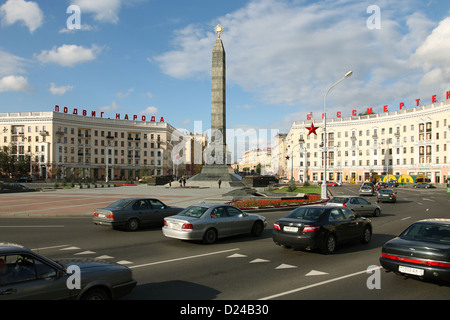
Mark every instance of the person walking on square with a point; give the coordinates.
(219, 182)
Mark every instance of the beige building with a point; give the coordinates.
(408, 145)
(74, 146)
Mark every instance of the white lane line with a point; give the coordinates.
(313, 285)
(183, 258)
(53, 247)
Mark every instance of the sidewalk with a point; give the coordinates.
(82, 202)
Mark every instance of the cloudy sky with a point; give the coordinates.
(153, 57)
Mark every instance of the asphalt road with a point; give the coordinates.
(244, 267)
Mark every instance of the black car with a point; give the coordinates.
(133, 213)
(422, 250)
(25, 275)
(321, 227)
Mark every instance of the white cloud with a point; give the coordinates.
(113, 106)
(149, 110)
(10, 64)
(14, 83)
(26, 12)
(122, 95)
(289, 53)
(59, 90)
(69, 55)
(103, 10)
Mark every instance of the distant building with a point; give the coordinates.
(65, 145)
(408, 146)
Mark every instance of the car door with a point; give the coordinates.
(142, 209)
(158, 211)
(336, 218)
(365, 206)
(355, 205)
(353, 227)
(241, 221)
(28, 278)
(221, 221)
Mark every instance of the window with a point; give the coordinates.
(20, 268)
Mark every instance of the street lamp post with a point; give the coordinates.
(325, 144)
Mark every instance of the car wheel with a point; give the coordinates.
(257, 229)
(132, 224)
(330, 244)
(96, 294)
(367, 235)
(210, 236)
(376, 213)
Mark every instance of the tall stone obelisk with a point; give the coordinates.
(216, 166)
(218, 99)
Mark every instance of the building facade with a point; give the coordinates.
(408, 146)
(71, 146)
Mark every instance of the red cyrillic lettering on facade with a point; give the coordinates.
(369, 111)
(353, 112)
(143, 118)
(401, 105)
(385, 109)
(92, 113)
(65, 110)
(101, 114)
(161, 120)
(448, 94)
(338, 114)
(134, 117)
(433, 98)
(417, 102)
(117, 116)
(126, 117)
(56, 108)
(84, 112)
(152, 119)
(308, 116)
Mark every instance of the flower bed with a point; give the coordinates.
(263, 204)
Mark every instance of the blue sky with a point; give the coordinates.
(153, 57)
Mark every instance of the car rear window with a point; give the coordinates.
(338, 200)
(306, 213)
(193, 211)
(122, 203)
(427, 232)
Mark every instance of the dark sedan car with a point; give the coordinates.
(133, 213)
(422, 250)
(386, 195)
(25, 275)
(321, 227)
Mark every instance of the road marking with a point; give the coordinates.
(123, 262)
(285, 266)
(182, 258)
(85, 252)
(46, 248)
(43, 226)
(406, 218)
(237, 255)
(259, 261)
(313, 285)
(315, 273)
(104, 257)
(70, 248)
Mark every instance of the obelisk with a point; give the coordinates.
(216, 166)
(218, 99)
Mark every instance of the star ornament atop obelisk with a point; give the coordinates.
(312, 129)
(219, 30)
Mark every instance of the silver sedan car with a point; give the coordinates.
(357, 204)
(209, 222)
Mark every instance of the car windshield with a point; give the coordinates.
(427, 232)
(193, 211)
(338, 200)
(306, 213)
(120, 204)
(385, 191)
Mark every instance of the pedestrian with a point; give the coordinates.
(219, 182)
(184, 182)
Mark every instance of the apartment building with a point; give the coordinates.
(72, 146)
(407, 145)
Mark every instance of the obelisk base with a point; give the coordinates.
(211, 174)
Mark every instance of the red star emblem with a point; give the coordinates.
(312, 129)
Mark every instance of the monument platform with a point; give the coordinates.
(212, 173)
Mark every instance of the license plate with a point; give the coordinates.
(101, 215)
(413, 271)
(290, 229)
(174, 225)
